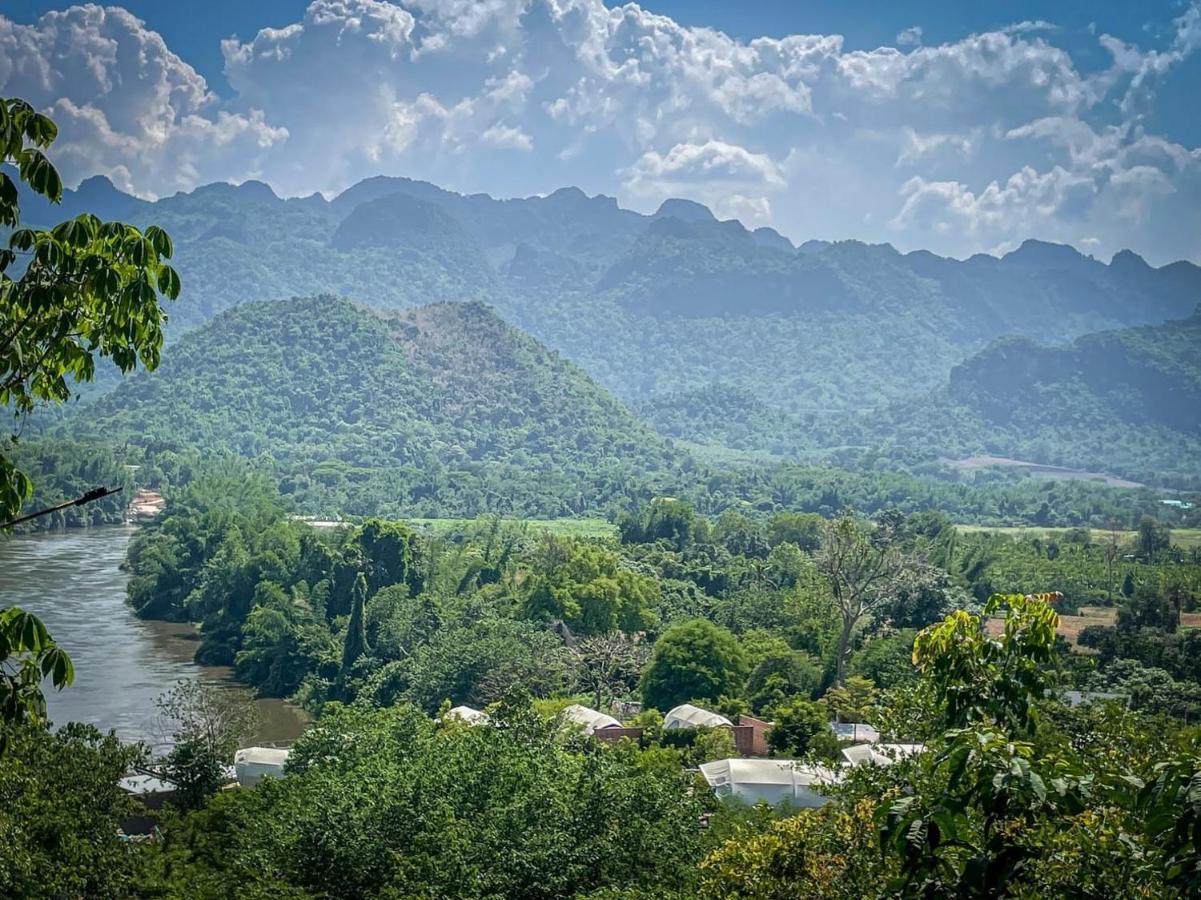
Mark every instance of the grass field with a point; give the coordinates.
(581, 528)
(1181, 537)
(1071, 626)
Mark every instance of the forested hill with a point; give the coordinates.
(1127, 402)
(655, 307)
(428, 410)
(679, 291)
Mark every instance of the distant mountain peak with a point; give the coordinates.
(248, 190)
(571, 192)
(1128, 259)
(1044, 253)
(685, 210)
(769, 237)
(97, 184)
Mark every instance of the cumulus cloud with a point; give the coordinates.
(126, 104)
(963, 146)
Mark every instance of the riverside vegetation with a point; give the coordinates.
(792, 591)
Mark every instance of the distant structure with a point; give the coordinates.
(467, 715)
(597, 724)
(880, 754)
(774, 781)
(856, 733)
(688, 716)
(146, 505)
(254, 764)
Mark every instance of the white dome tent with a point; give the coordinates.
(879, 754)
(588, 719)
(688, 716)
(774, 781)
(467, 715)
(253, 764)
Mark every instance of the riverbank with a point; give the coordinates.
(72, 580)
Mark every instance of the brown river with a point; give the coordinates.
(73, 582)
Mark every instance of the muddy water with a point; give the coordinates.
(73, 582)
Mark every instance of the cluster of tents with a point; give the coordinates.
(788, 781)
(749, 780)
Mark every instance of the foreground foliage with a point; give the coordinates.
(382, 803)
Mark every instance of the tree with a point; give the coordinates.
(694, 660)
(965, 834)
(1152, 538)
(587, 587)
(865, 572)
(27, 655)
(61, 811)
(87, 288)
(205, 724)
(663, 519)
(379, 802)
(799, 726)
(608, 664)
(355, 643)
(852, 701)
(388, 554)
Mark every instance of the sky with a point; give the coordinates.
(950, 126)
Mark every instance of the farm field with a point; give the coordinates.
(1071, 626)
(565, 527)
(1186, 538)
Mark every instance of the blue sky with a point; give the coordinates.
(960, 127)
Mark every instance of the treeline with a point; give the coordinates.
(1016, 795)
(65, 470)
(384, 611)
(468, 489)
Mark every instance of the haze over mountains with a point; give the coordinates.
(727, 337)
(354, 402)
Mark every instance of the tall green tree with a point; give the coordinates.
(865, 570)
(355, 644)
(82, 289)
(86, 289)
(694, 660)
(60, 814)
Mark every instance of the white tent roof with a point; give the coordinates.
(766, 771)
(261, 756)
(590, 719)
(772, 781)
(857, 732)
(688, 716)
(468, 715)
(254, 764)
(879, 754)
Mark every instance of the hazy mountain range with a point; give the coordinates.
(728, 337)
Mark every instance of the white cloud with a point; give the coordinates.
(125, 103)
(967, 145)
(712, 160)
(505, 136)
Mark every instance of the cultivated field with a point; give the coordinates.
(581, 528)
(1181, 537)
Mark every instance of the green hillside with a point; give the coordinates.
(1124, 402)
(354, 404)
(724, 337)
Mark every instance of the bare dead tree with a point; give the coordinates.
(609, 664)
(865, 571)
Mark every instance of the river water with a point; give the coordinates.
(71, 581)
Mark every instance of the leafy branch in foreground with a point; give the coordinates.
(86, 287)
(27, 656)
